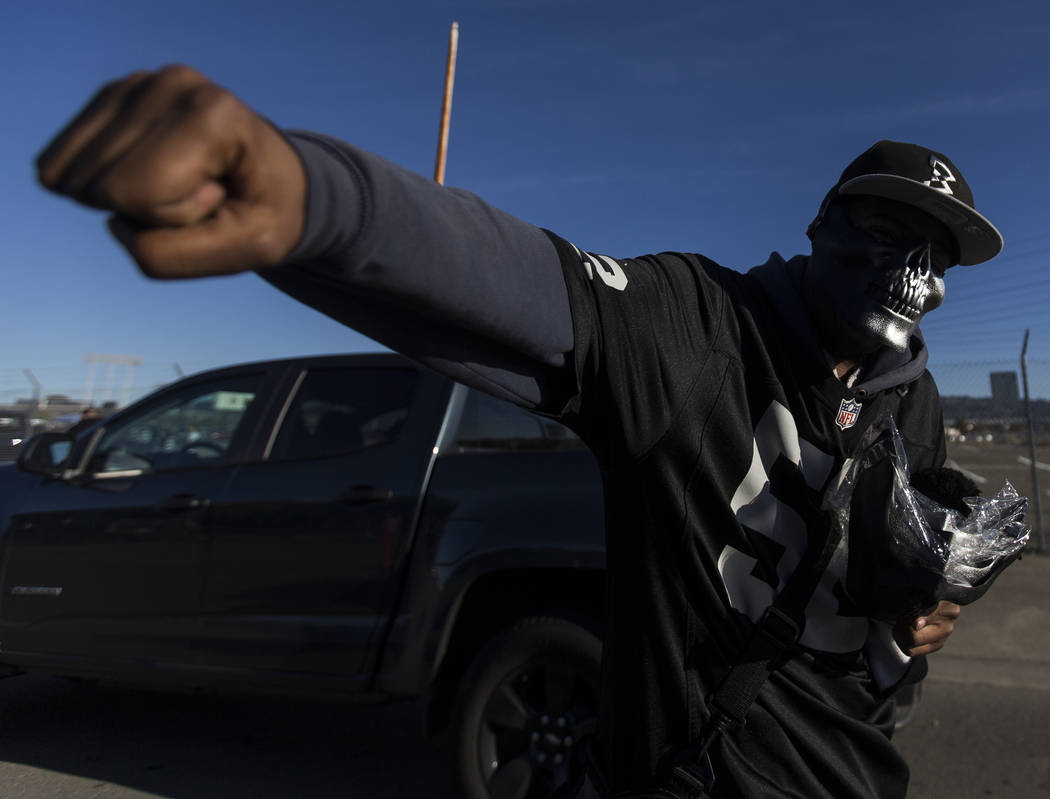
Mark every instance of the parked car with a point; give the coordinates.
(350, 525)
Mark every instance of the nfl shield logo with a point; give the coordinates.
(848, 413)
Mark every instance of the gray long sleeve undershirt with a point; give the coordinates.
(433, 272)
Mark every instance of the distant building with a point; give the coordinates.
(1004, 387)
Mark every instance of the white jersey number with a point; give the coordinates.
(607, 269)
(784, 531)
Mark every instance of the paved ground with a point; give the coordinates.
(63, 740)
(983, 726)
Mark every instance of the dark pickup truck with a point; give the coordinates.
(349, 526)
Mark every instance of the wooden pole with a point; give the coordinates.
(446, 106)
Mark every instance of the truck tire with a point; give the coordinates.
(523, 705)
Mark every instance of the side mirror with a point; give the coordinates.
(46, 453)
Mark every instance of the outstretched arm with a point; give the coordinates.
(199, 184)
(433, 272)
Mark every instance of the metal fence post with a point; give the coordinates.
(1031, 447)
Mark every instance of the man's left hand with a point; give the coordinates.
(925, 634)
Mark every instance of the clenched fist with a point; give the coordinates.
(197, 182)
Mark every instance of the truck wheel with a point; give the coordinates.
(522, 706)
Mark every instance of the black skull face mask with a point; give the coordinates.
(867, 286)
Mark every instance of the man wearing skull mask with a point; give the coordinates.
(719, 404)
(873, 220)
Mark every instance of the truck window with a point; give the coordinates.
(192, 427)
(337, 411)
(489, 423)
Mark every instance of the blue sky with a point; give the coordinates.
(625, 127)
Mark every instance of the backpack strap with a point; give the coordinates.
(774, 638)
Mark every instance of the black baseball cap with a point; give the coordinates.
(927, 180)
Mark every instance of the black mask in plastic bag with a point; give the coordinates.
(907, 551)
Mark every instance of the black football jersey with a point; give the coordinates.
(692, 384)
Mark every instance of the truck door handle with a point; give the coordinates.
(180, 502)
(365, 495)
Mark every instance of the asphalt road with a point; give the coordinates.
(65, 740)
(983, 726)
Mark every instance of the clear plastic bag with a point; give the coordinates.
(906, 550)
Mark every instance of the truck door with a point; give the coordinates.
(109, 564)
(307, 547)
